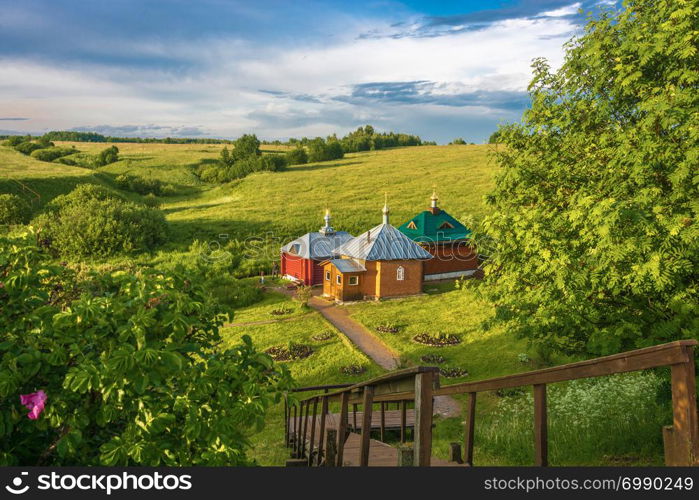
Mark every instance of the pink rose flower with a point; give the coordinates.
(34, 402)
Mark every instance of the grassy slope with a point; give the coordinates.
(322, 367)
(291, 203)
(37, 181)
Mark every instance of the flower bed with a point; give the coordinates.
(353, 369)
(452, 372)
(438, 340)
(289, 353)
(433, 358)
(321, 337)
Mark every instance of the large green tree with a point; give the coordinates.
(594, 223)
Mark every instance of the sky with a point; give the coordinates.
(279, 69)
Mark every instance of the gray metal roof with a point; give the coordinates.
(316, 245)
(347, 265)
(384, 242)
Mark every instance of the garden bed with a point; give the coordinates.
(433, 359)
(452, 372)
(438, 340)
(289, 353)
(323, 336)
(353, 369)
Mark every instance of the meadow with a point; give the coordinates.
(264, 210)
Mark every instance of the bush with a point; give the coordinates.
(297, 156)
(27, 147)
(107, 156)
(271, 163)
(130, 366)
(320, 150)
(138, 184)
(14, 210)
(92, 222)
(52, 153)
(16, 140)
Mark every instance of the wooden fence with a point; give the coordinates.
(420, 384)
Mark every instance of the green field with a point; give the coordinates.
(265, 210)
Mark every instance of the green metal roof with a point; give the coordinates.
(434, 227)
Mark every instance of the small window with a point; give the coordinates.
(400, 273)
(339, 279)
(295, 249)
(354, 280)
(412, 225)
(446, 225)
(327, 275)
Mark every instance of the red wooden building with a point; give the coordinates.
(301, 258)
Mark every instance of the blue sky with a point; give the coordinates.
(219, 68)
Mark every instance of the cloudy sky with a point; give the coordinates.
(220, 68)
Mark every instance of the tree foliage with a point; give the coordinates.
(93, 222)
(595, 209)
(130, 365)
(14, 209)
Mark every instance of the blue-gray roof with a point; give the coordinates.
(316, 245)
(347, 265)
(384, 242)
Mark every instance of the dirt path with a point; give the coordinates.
(370, 345)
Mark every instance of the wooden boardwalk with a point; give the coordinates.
(380, 454)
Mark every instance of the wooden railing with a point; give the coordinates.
(421, 384)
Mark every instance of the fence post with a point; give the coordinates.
(540, 426)
(423, 419)
(455, 453)
(295, 433)
(405, 456)
(331, 448)
(383, 420)
(286, 421)
(682, 440)
(470, 428)
(367, 403)
(313, 432)
(402, 421)
(342, 427)
(321, 434)
(354, 417)
(305, 429)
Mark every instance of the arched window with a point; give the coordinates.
(400, 273)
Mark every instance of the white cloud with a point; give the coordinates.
(221, 91)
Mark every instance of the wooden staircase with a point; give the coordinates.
(318, 437)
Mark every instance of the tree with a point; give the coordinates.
(297, 156)
(457, 141)
(595, 209)
(107, 156)
(494, 137)
(245, 146)
(131, 367)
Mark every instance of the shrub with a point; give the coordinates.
(304, 294)
(27, 147)
(130, 368)
(320, 150)
(52, 153)
(138, 184)
(150, 200)
(91, 222)
(15, 140)
(270, 163)
(14, 210)
(297, 156)
(107, 156)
